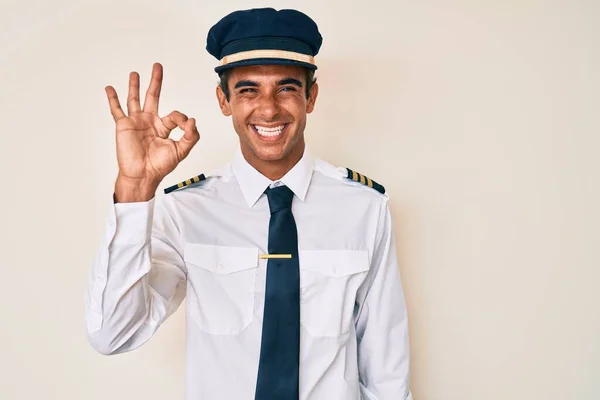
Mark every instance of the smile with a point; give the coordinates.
(269, 132)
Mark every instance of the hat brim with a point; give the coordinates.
(265, 61)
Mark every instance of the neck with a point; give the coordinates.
(274, 169)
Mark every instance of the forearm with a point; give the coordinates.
(124, 300)
(383, 344)
(123, 310)
(384, 358)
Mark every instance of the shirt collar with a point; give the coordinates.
(253, 183)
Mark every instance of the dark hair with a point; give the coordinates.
(309, 74)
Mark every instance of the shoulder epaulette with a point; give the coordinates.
(365, 180)
(185, 183)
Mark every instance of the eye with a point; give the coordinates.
(288, 89)
(247, 90)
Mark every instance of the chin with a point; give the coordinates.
(266, 155)
(271, 146)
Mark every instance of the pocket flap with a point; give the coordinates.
(334, 263)
(221, 259)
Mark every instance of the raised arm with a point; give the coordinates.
(137, 279)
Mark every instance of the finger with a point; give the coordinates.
(153, 93)
(190, 137)
(133, 98)
(113, 101)
(174, 120)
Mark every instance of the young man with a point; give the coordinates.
(287, 263)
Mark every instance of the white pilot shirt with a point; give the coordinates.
(203, 244)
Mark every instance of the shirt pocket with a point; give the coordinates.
(329, 280)
(221, 282)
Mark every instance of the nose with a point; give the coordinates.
(269, 107)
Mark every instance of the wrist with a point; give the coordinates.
(128, 190)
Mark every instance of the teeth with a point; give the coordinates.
(269, 131)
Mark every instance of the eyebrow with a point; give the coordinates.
(286, 81)
(290, 81)
(246, 83)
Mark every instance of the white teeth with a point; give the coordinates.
(269, 131)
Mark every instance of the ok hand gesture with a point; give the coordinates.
(145, 153)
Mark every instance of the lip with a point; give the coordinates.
(270, 138)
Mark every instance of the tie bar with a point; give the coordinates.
(266, 256)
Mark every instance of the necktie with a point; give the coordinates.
(280, 344)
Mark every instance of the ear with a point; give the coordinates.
(312, 98)
(223, 103)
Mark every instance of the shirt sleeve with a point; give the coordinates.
(137, 279)
(382, 322)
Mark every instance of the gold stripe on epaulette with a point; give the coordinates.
(364, 180)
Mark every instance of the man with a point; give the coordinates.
(287, 263)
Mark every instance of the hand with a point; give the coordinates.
(145, 154)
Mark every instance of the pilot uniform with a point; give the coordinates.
(301, 300)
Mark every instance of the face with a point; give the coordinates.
(268, 106)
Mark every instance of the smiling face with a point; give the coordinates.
(268, 106)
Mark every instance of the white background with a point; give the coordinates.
(480, 118)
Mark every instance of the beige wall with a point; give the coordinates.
(481, 118)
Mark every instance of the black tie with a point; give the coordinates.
(280, 345)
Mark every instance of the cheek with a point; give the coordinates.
(240, 114)
(295, 107)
